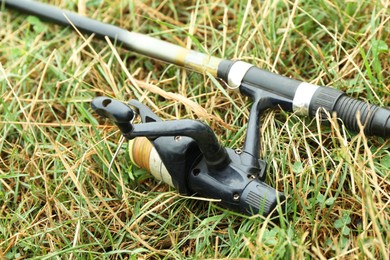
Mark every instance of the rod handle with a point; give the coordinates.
(376, 120)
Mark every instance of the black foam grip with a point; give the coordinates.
(376, 120)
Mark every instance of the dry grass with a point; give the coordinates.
(57, 199)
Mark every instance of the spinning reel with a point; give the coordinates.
(186, 154)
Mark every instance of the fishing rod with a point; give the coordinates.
(185, 153)
(301, 97)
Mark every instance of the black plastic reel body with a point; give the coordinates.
(196, 162)
(239, 187)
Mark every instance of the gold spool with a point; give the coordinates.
(144, 155)
(140, 149)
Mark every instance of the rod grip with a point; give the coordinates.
(376, 120)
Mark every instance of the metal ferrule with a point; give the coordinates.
(201, 62)
(237, 73)
(302, 98)
(169, 52)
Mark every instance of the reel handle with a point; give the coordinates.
(116, 111)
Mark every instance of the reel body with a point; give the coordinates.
(187, 155)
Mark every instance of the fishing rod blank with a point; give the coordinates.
(136, 42)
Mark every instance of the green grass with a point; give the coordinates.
(58, 198)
